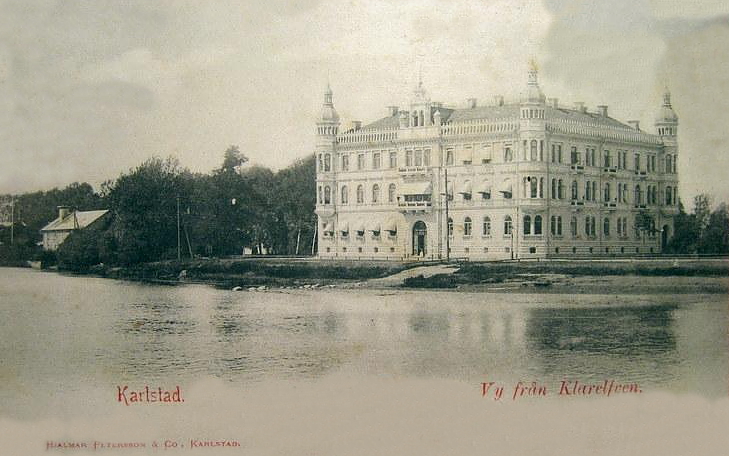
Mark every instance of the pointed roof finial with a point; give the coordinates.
(533, 71)
(328, 94)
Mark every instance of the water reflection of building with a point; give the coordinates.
(526, 179)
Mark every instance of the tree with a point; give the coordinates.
(685, 232)
(144, 205)
(233, 159)
(715, 236)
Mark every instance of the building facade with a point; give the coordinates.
(530, 179)
(68, 221)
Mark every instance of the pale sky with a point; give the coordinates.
(89, 89)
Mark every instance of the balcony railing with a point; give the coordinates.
(414, 204)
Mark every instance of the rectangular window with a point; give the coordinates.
(345, 162)
(426, 157)
(418, 157)
(393, 159)
(375, 160)
(449, 156)
(637, 162)
(408, 158)
(559, 153)
(360, 161)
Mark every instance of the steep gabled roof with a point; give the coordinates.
(75, 220)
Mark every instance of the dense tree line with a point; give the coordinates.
(234, 207)
(703, 231)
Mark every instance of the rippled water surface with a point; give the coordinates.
(65, 333)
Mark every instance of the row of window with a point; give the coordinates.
(533, 187)
(534, 226)
(532, 151)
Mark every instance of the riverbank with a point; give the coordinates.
(636, 276)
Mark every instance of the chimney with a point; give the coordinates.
(499, 100)
(356, 124)
(471, 103)
(635, 124)
(603, 110)
(554, 102)
(393, 110)
(63, 212)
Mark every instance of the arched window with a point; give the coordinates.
(638, 195)
(527, 224)
(450, 227)
(606, 193)
(321, 163)
(360, 194)
(553, 225)
(533, 150)
(588, 191)
(375, 194)
(574, 190)
(321, 195)
(467, 226)
(573, 226)
(587, 226)
(391, 193)
(559, 225)
(327, 162)
(537, 224)
(606, 227)
(327, 195)
(533, 186)
(487, 226)
(507, 225)
(508, 155)
(669, 164)
(345, 197)
(560, 189)
(669, 195)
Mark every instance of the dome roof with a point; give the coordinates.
(328, 113)
(533, 92)
(666, 113)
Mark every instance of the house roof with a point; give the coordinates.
(75, 220)
(509, 111)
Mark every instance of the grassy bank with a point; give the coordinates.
(639, 276)
(252, 272)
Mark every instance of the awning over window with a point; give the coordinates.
(391, 226)
(485, 187)
(467, 188)
(416, 188)
(375, 227)
(344, 227)
(328, 227)
(506, 187)
(360, 228)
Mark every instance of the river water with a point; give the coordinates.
(60, 334)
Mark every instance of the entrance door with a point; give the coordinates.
(419, 238)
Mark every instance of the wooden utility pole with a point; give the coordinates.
(179, 252)
(12, 221)
(448, 224)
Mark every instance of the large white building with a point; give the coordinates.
(531, 179)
